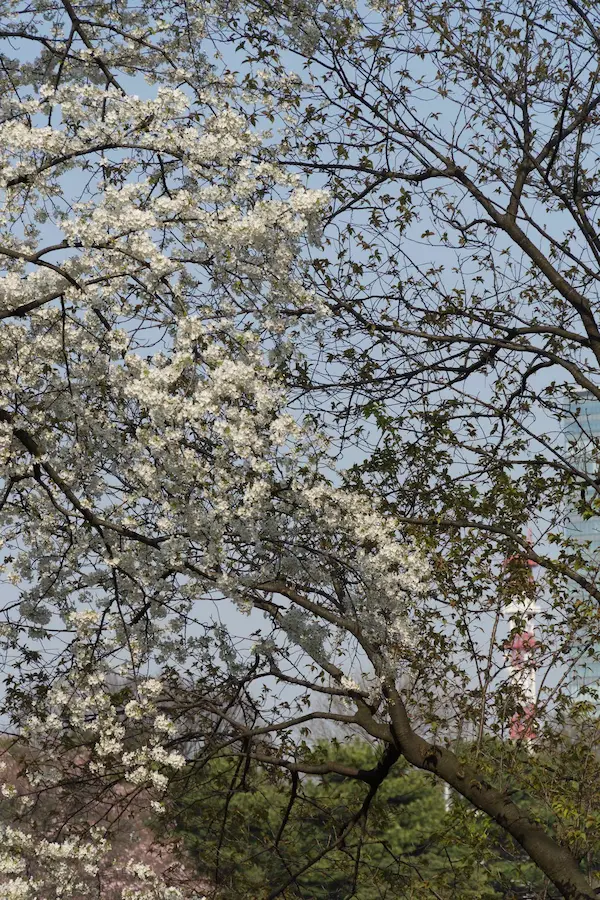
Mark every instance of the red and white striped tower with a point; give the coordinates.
(520, 584)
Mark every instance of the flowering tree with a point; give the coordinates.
(150, 466)
(157, 309)
(458, 144)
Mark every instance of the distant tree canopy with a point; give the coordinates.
(248, 831)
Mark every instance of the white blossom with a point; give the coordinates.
(153, 460)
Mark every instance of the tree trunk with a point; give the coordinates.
(554, 860)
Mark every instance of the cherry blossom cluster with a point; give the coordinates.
(151, 461)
